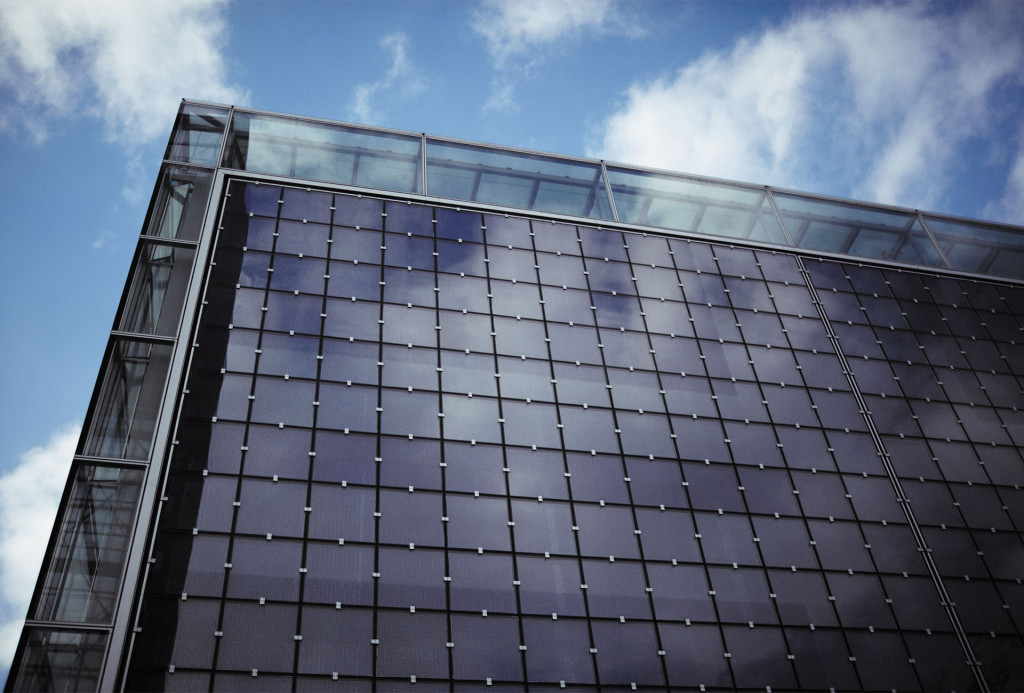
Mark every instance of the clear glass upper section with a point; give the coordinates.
(197, 134)
(978, 247)
(853, 229)
(84, 574)
(326, 152)
(515, 179)
(699, 206)
(488, 174)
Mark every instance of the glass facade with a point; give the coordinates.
(657, 433)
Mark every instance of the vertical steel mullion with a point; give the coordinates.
(228, 124)
(423, 162)
(934, 241)
(608, 191)
(778, 215)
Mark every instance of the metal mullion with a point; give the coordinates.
(608, 191)
(934, 241)
(901, 497)
(423, 163)
(113, 669)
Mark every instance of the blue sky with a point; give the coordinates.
(919, 105)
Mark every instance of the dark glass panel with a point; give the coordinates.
(627, 653)
(597, 478)
(463, 331)
(264, 568)
(272, 507)
(656, 482)
(840, 546)
(485, 647)
(471, 418)
(128, 397)
(802, 598)
(667, 535)
(881, 660)
(606, 531)
(342, 457)
(520, 337)
(411, 577)
(283, 401)
(337, 573)
(759, 657)
(616, 589)
(860, 601)
(821, 659)
(462, 293)
(411, 518)
(680, 592)
(359, 281)
(410, 462)
(536, 473)
(156, 291)
(543, 527)
(258, 636)
(557, 650)
(474, 467)
(726, 539)
(456, 224)
(588, 429)
(477, 522)
(341, 512)
(482, 582)
(412, 644)
(290, 355)
(561, 270)
(694, 656)
(336, 641)
(65, 660)
(82, 579)
(742, 595)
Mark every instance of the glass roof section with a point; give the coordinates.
(695, 205)
(487, 174)
(979, 247)
(853, 229)
(516, 179)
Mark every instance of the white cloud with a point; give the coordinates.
(517, 27)
(519, 33)
(869, 101)
(401, 81)
(501, 99)
(128, 63)
(29, 495)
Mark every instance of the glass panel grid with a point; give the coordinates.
(599, 467)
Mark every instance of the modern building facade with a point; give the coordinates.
(382, 410)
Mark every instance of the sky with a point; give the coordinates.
(919, 105)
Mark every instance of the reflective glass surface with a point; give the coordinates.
(593, 458)
(128, 401)
(197, 135)
(156, 291)
(82, 579)
(336, 154)
(692, 204)
(845, 227)
(514, 179)
(980, 247)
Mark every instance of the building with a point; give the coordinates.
(384, 410)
